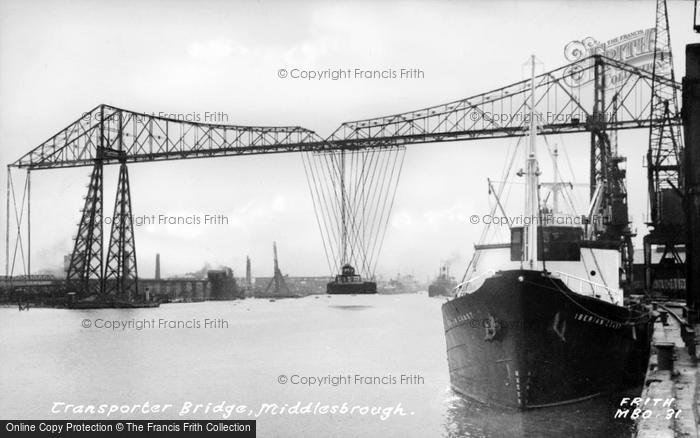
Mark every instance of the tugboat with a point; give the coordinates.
(348, 282)
(444, 284)
(541, 320)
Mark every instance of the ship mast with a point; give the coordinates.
(531, 186)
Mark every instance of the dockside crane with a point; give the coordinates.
(277, 283)
(664, 174)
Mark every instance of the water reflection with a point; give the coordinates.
(353, 307)
(591, 418)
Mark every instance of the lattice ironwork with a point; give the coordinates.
(595, 94)
(566, 103)
(121, 275)
(139, 137)
(84, 274)
(665, 140)
(664, 172)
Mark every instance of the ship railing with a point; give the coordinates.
(585, 286)
(462, 288)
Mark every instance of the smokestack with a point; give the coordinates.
(248, 276)
(157, 266)
(66, 264)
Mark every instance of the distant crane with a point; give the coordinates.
(277, 281)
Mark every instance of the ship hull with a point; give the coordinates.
(524, 340)
(355, 288)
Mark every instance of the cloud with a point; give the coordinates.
(216, 49)
(440, 217)
(402, 219)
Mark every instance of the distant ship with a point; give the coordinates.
(400, 285)
(540, 320)
(348, 282)
(444, 284)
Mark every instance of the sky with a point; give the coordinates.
(60, 59)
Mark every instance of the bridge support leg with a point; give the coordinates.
(120, 278)
(85, 268)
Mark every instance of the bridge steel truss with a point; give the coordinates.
(109, 135)
(596, 95)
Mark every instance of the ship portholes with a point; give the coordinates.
(493, 328)
(559, 326)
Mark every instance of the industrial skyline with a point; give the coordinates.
(265, 198)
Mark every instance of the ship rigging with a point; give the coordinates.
(552, 305)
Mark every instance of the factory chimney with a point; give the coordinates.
(248, 276)
(157, 266)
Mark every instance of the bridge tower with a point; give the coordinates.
(121, 276)
(84, 274)
(88, 273)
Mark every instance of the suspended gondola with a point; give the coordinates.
(353, 192)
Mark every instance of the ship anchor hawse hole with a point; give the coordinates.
(493, 328)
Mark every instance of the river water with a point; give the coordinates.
(258, 354)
